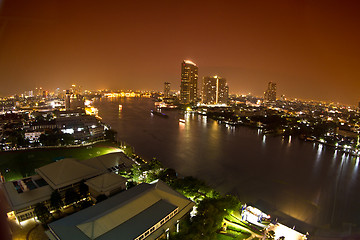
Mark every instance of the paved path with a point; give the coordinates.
(29, 232)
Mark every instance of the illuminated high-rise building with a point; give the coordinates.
(189, 79)
(215, 90)
(38, 92)
(270, 93)
(166, 90)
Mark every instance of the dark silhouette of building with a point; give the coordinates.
(67, 100)
(215, 90)
(73, 101)
(270, 93)
(189, 79)
(166, 90)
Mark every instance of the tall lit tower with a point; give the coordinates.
(215, 90)
(166, 89)
(189, 79)
(270, 93)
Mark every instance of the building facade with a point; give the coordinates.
(189, 80)
(270, 93)
(215, 90)
(166, 90)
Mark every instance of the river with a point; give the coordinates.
(309, 185)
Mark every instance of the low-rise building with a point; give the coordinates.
(146, 211)
(24, 194)
(33, 136)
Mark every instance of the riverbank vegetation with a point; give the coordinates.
(212, 210)
(340, 132)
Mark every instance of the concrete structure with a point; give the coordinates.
(189, 79)
(98, 172)
(270, 93)
(81, 126)
(215, 91)
(147, 211)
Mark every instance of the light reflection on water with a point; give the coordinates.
(318, 156)
(273, 172)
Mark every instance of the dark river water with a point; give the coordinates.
(305, 184)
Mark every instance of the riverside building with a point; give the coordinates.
(270, 93)
(215, 91)
(189, 80)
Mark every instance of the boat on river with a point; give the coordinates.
(160, 114)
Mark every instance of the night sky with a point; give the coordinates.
(311, 49)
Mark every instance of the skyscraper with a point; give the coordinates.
(166, 90)
(189, 79)
(270, 93)
(215, 90)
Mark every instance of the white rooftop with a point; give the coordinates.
(106, 182)
(66, 172)
(127, 214)
(189, 62)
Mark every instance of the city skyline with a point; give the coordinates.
(309, 49)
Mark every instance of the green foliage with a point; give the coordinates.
(83, 189)
(270, 235)
(194, 188)
(15, 138)
(71, 196)
(224, 237)
(55, 137)
(135, 173)
(128, 150)
(130, 184)
(210, 214)
(42, 212)
(85, 204)
(56, 200)
(154, 165)
(168, 175)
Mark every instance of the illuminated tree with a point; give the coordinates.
(135, 173)
(42, 213)
(270, 235)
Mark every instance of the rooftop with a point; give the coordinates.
(106, 182)
(19, 199)
(66, 172)
(70, 171)
(189, 62)
(127, 214)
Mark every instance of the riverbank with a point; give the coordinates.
(282, 132)
(298, 178)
